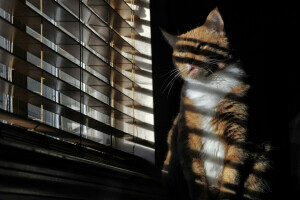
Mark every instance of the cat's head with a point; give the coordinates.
(203, 50)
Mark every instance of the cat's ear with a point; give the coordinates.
(214, 21)
(172, 39)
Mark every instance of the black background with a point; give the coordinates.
(265, 37)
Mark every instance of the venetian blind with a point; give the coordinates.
(70, 65)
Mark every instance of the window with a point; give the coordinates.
(82, 67)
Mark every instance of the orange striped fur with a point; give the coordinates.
(208, 141)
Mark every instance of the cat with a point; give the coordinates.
(207, 143)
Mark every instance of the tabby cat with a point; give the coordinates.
(208, 140)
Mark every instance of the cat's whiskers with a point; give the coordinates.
(208, 69)
(170, 74)
(174, 76)
(173, 82)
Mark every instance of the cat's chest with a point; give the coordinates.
(211, 150)
(203, 98)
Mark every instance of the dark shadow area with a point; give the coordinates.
(295, 153)
(262, 35)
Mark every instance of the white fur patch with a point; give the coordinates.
(207, 93)
(212, 153)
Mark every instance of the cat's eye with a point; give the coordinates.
(180, 53)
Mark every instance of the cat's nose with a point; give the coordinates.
(190, 68)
